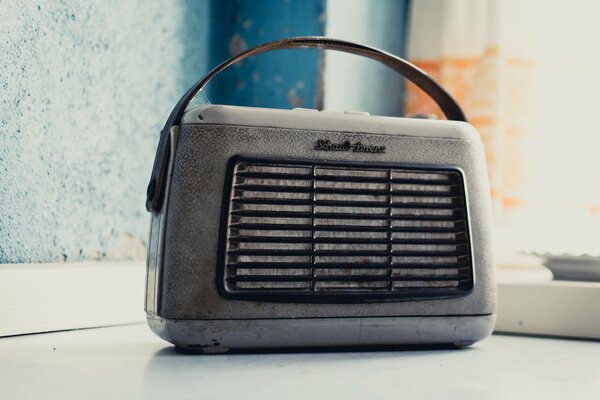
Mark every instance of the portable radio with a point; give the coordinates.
(304, 228)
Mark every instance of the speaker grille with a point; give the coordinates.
(327, 232)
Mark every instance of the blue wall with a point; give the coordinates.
(355, 83)
(280, 79)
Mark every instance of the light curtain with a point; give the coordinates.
(504, 62)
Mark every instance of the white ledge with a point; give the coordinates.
(549, 308)
(50, 297)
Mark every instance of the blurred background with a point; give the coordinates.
(86, 87)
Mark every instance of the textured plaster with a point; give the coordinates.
(86, 86)
(84, 89)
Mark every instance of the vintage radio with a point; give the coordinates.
(300, 228)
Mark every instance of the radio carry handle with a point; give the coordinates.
(444, 100)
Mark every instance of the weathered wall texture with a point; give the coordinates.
(278, 79)
(84, 89)
(86, 86)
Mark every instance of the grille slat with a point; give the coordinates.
(288, 239)
(342, 228)
(300, 214)
(453, 189)
(346, 253)
(326, 232)
(291, 265)
(350, 278)
(452, 203)
(334, 178)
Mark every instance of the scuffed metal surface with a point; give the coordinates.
(188, 288)
(220, 336)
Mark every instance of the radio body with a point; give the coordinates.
(300, 228)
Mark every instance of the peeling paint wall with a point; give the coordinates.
(84, 89)
(279, 79)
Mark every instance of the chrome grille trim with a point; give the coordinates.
(337, 232)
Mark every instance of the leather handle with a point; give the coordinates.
(445, 101)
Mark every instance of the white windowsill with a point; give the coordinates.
(52, 297)
(531, 303)
(129, 362)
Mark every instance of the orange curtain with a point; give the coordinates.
(525, 72)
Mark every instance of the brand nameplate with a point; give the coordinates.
(355, 147)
